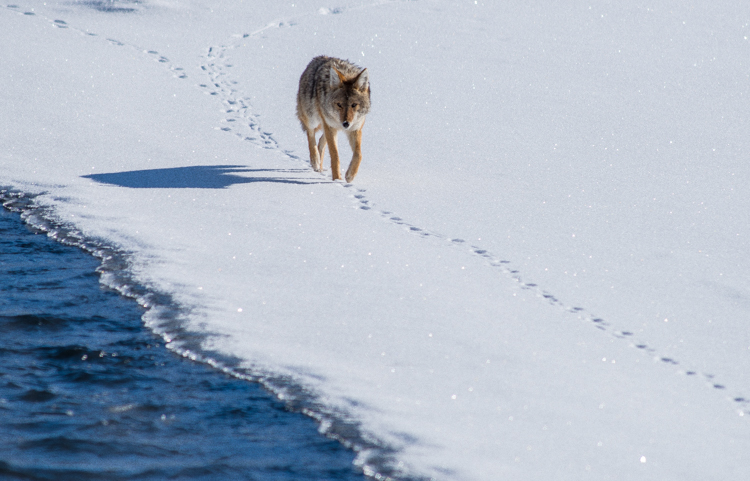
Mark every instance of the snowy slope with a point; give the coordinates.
(540, 271)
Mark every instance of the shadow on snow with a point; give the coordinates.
(198, 177)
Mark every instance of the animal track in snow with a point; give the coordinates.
(246, 125)
(240, 121)
(330, 11)
(504, 266)
(239, 118)
(177, 72)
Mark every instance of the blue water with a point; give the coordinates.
(86, 392)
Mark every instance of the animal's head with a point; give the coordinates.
(350, 97)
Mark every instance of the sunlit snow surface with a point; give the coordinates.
(540, 271)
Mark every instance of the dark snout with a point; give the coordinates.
(345, 124)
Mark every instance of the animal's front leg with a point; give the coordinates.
(355, 140)
(334, 149)
(315, 159)
(322, 151)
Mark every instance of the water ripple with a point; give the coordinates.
(87, 393)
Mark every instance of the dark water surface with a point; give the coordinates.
(86, 392)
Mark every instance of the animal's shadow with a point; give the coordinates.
(199, 177)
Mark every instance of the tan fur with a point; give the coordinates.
(333, 95)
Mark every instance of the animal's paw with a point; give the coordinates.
(350, 177)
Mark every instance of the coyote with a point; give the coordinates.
(334, 95)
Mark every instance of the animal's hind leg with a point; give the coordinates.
(322, 151)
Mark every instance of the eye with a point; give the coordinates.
(354, 106)
(339, 105)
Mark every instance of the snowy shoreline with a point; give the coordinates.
(539, 272)
(165, 319)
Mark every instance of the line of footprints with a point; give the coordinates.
(245, 126)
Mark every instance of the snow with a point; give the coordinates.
(540, 271)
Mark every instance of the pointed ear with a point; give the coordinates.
(336, 78)
(362, 80)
